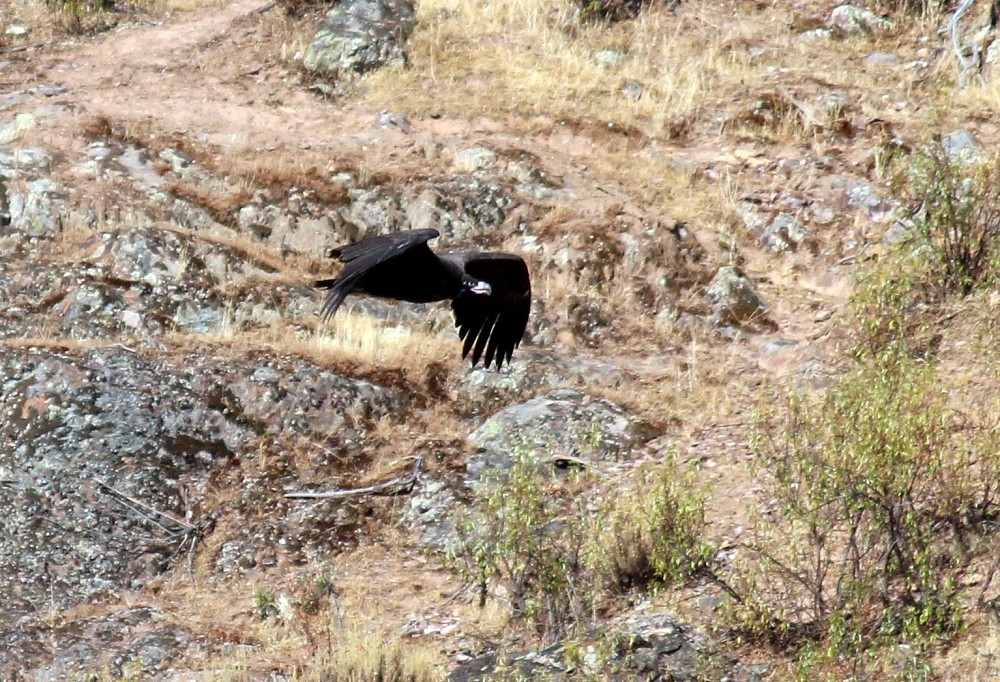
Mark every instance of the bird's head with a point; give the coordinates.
(478, 287)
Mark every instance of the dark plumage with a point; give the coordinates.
(490, 292)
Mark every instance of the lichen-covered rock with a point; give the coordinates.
(361, 35)
(734, 298)
(81, 439)
(431, 510)
(785, 233)
(12, 129)
(854, 21)
(862, 196)
(460, 208)
(482, 390)
(299, 398)
(24, 162)
(35, 208)
(376, 211)
(961, 145)
(564, 423)
(304, 234)
(128, 642)
(474, 159)
(650, 646)
(106, 459)
(140, 282)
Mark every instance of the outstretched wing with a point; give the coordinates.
(494, 323)
(361, 257)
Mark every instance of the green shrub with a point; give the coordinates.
(892, 312)
(955, 210)
(521, 535)
(651, 534)
(265, 603)
(535, 538)
(882, 499)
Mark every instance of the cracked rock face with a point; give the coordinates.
(100, 459)
(563, 423)
(137, 282)
(645, 646)
(105, 458)
(361, 35)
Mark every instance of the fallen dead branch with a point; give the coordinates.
(397, 486)
(146, 512)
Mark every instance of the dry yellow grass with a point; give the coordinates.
(466, 53)
(349, 338)
(183, 5)
(362, 338)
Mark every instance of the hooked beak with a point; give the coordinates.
(481, 288)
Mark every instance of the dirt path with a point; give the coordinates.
(203, 74)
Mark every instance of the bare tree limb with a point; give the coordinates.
(143, 510)
(969, 63)
(399, 485)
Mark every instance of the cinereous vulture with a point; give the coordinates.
(490, 293)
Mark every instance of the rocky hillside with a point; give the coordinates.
(749, 433)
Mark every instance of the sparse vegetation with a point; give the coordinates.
(265, 604)
(651, 534)
(555, 559)
(617, 126)
(80, 15)
(882, 500)
(893, 312)
(955, 213)
(365, 657)
(522, 536)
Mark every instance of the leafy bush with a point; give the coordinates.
(892, 312)
(955, 210)
(882, 500)
(76, 12)
(954, 213)
(518, 534)
(534, 538)
(651, 535)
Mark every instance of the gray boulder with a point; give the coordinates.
(784, 233)
(647, 646)
(861, 195)
(857, 21)
(562, 424)
(35, 208)
(734, 299)
(360, 35)
(962, 146)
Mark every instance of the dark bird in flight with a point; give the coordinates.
(490, 292)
